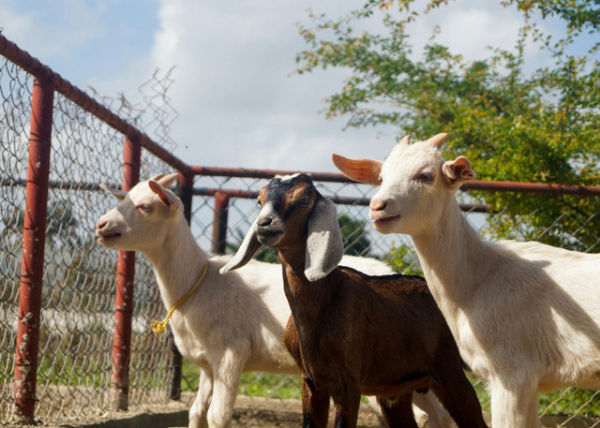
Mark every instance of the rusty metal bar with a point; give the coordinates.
(543, 188)
(502, 186)
(124, 294)
(219, 231)
(32, 259)
(266, 173)
(32, 65)
(60, 184)
(185, 191)
(499, 186)
(185, 184)
(340, 200)
(232, 193)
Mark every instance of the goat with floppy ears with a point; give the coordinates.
(351, 333)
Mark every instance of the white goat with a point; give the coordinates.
(526, 316)
(230, 324)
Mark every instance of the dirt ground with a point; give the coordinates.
(255, 413)
(249, 412)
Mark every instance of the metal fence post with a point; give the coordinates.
(32, 258)
(219, 232)
(124, 294)
(185, 184)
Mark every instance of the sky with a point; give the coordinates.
(238, 102)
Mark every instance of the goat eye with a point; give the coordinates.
(144, 207)
(425, 176)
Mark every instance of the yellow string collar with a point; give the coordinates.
(160, 326)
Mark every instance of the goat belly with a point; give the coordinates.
(421, 383)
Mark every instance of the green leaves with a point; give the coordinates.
(539, 126)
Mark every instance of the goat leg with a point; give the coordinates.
(347, 402)
(458, 397)
(397, 411)
(315, 405)
(198, 411)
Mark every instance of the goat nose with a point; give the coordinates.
(101, 224)
(264, 221)
(377, 205)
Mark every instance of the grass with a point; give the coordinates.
(62, 370)
(564, 402)
(256, 384)
(567, 401)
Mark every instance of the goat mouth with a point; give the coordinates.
(268, 237)
(383, 220)
(105, 237)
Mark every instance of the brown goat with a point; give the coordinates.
(351, 333)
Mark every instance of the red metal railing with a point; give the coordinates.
(37, 185)
(32, 265)
(502, 186)
(132, 153)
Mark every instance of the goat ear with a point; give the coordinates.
(405, 140)
(363, 170)
(119, 194)
(168, 180)
(324, 245)
(249, 246)
(157, 177)
(458, 171)
(160, 191)
(438, 140)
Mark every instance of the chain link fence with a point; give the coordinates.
(76, 327)
(78, 290)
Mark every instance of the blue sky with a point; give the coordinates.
(237, 102)
(82, 40)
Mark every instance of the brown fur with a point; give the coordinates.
(352, 333)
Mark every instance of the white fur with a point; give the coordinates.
(288, 177)
(526, 316)
(232, 323)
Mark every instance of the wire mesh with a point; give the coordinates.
(79, 276)
(76, 327)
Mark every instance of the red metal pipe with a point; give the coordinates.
(32, 65)
(32, 261)
(219, 232)
(124, 294)
(502, 186)
(266, 173)
(174, 359)
(341, 200)
(186, 192)
(232, 193)
(544, 188)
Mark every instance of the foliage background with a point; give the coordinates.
(514, 120)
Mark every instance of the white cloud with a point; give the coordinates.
(238, 105)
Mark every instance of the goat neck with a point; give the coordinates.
(177, 262)
(306, 299)
(450, 253)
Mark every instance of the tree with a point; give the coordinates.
(354, 236)
(512, 125)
